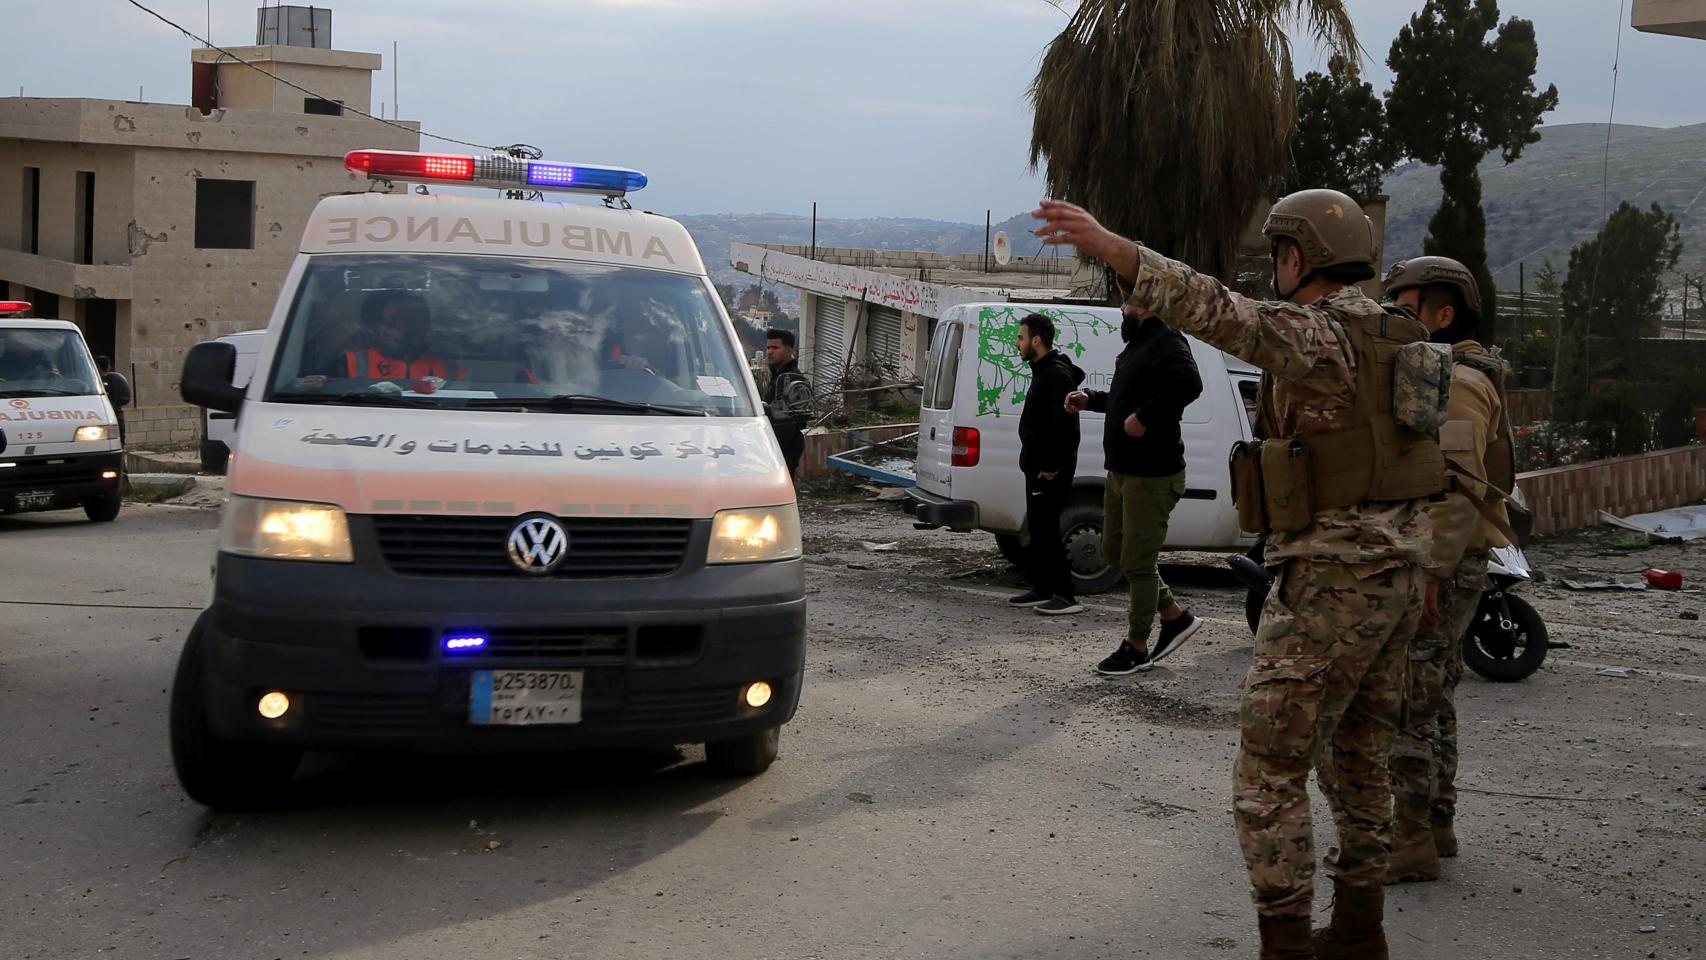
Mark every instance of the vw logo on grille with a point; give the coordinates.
(538, 545)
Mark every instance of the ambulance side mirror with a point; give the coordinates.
(208, 372)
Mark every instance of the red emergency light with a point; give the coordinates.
(14, 306)
(406, 166)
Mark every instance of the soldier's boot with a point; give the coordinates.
(1285, 938)
(1445, 837)
(1413, 857)
(1358, 929)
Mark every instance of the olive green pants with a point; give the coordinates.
(1135, 511)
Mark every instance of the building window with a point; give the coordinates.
(224, 214)
(325, 108)
(29, 231)
(84, 233)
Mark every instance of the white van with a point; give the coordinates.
(503, 482)
(219, 428)
(59, 445)
(968, 443)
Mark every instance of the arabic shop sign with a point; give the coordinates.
(901, 293)
(641, 451)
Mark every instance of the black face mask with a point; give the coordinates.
(1129, 327)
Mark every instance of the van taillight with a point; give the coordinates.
(968, 447)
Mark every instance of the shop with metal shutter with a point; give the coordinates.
(884, 324)
(827, 363)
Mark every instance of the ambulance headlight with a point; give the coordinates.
(284, 530)
(755, 535)
(92, 434)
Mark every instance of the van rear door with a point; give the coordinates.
(936, 414)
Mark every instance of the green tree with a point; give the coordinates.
(1169, 121)
(1615, 285)
(1456, 97)
(1340, 139)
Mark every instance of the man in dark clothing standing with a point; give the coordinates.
(1048, 455)
(1155, 379)
(118, 391)
(788, 398)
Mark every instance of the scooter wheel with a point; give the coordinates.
(1505, 655)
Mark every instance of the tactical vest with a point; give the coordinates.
(1500, 457)
(1280, 483)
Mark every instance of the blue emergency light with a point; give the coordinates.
(501, 172)
(465, 642)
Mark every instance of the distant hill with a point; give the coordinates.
(1550, 199)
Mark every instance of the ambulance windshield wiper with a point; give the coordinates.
(587, 401)
(41, 393)
(359, 398)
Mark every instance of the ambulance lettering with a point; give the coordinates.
(20, 416)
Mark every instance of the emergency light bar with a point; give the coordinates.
(14, 306)
(507, 173)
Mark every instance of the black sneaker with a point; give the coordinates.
(1060, 607)
(1174, 633)
(1029, 598)
(1127, 659)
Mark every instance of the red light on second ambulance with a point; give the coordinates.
(426, 166)
(968, 447)
(14, 306)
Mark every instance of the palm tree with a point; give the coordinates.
(1168, 119)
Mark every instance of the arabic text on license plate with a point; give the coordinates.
(525, 697)
(35, 498)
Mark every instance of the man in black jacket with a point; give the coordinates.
(1155, 379)
(1048, 455)
(788, 399)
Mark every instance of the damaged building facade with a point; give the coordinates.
(155, 226)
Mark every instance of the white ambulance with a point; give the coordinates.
(503, 482)
(59, 446)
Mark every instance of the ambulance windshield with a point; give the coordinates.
(45, 363)
(463, 331)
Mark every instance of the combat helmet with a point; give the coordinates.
(1427, 271)
(1329, 226)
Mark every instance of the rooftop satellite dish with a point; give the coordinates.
(1003, 249)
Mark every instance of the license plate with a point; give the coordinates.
(31, 499)
(525, 697)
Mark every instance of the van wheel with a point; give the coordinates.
(213, 456)
(218, 773)
(1081, 532)
(744, 756)
(103, 509)
(1012, 547)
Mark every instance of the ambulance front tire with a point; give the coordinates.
(218, 773)
(746, 756)
(103, 509)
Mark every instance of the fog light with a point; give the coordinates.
(109, 474)
(273, 705)
(757, 694)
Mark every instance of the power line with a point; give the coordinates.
(209, 43)
(1604, 203)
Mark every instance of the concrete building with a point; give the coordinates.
(155, 226)
(1678, 18)
(873, 312)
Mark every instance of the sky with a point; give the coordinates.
(871, 108)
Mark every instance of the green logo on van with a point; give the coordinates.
(1002, 377)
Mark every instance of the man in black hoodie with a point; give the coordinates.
(1048, 454)
(1155, 379)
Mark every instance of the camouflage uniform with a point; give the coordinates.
(1328, 677)
(1424, 756)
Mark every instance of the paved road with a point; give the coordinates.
(956, 785)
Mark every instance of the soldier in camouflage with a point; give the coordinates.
(1443, 294)
(1327, 680)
